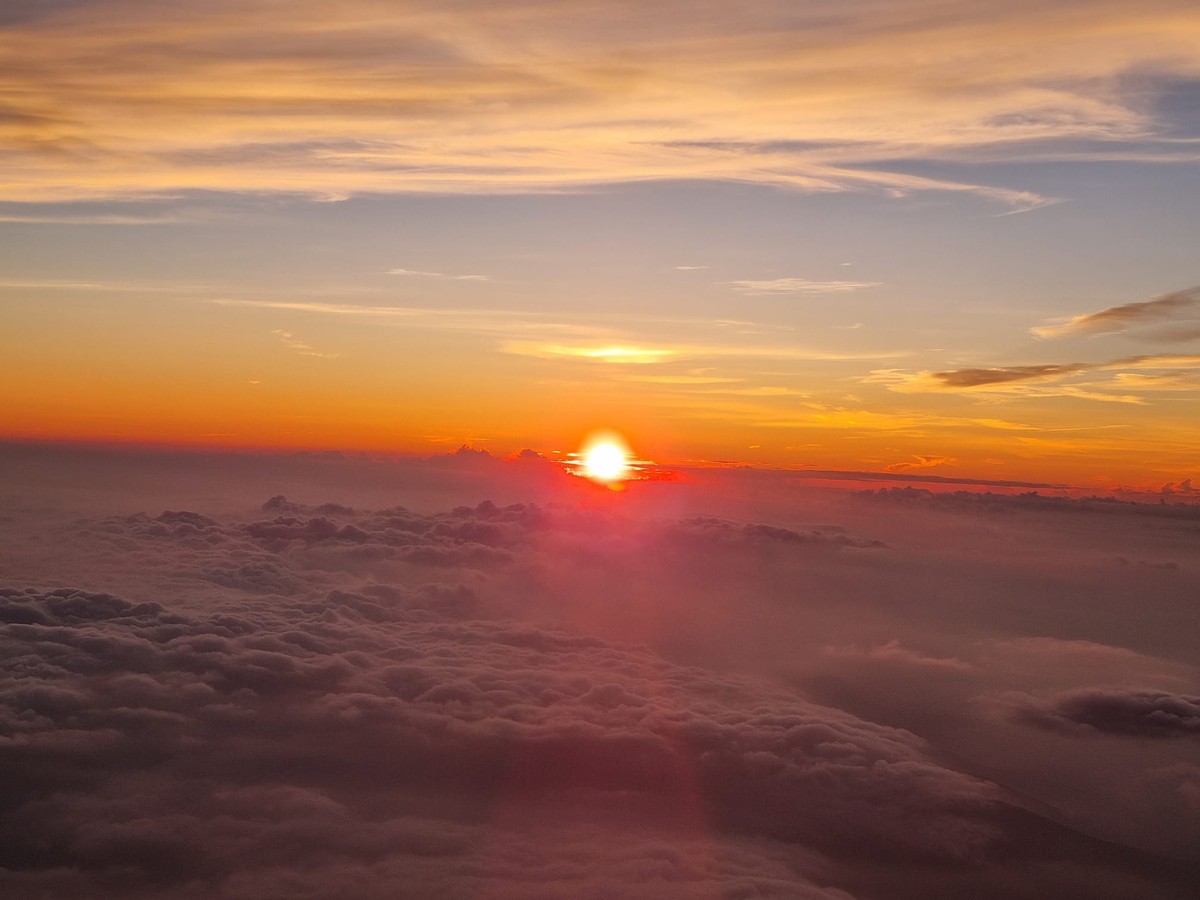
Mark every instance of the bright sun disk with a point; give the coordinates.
(605, 460)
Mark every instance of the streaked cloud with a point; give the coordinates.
(605, 353)
(1046, 380)
(581, 337)
(680, 379)
(1162, 381)
(473, 97)
(800, 286)
(438, 275)
(682, 350)
(1117, 319)
(333, 309)
(116, 287)
(294, 343)
(912, 421)
(461, 319)
(92, 219)
(969, 378)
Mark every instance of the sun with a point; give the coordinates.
(605, 462)
(604, 458)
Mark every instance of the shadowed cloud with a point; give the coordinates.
(1117, 319)
(1144, 714)
(969, 378)
(1169, 371)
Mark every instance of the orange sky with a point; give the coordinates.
(904, 236)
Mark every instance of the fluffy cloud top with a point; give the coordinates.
(590, 699)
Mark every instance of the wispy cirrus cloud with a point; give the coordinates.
(971, 378)
(620, 354)
(1158, 381)
(686, 380)
(441, 276)
(799, 286)
(907, 421)
(666, 351)
(296, 345)
(509, 96)
(502, 324)
(467, 318)
(91, 219)
(579, 337)
(1049, 380)
(116, 287)
(1118, 319)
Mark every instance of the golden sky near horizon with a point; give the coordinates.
(954, 238)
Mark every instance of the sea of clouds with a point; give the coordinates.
(464, 677)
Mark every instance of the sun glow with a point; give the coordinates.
(605, 458)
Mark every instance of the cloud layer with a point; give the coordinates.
(615, 696)
(115, 100)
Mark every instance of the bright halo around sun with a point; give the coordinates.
(605, 459)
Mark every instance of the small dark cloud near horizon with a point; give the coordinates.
(1035, 501)
(1180, 487)
(920, 462)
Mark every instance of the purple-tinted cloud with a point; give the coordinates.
(146, 748)
(597, 694)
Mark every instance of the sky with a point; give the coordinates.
(950, 238)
